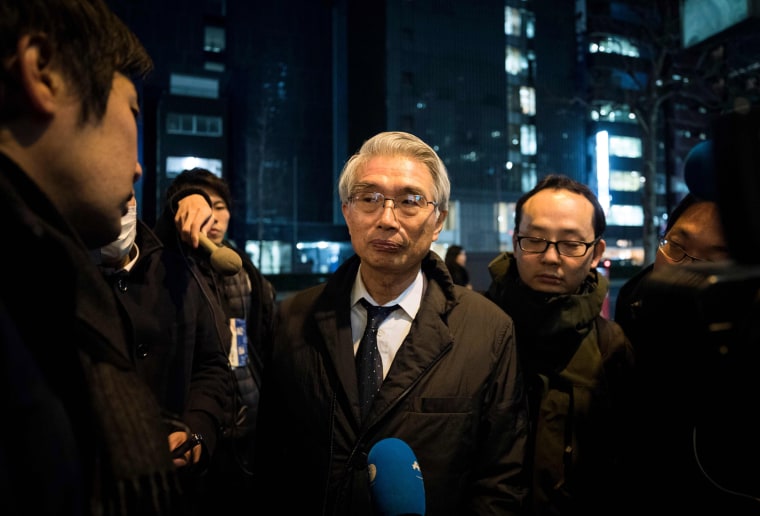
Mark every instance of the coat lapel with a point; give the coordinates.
(429, 339)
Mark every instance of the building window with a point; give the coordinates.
(505, 221)
(528, 177)
(515, 62)
(451, 222)
(625, 181)
(608, 111)
(213, 66)
(528, 140)
(528, 100)
(613, 45)
(176, 164)
(625, 146)
(530, 25)
(512, 21)
(625, 215)
(195, 125)
(193, 86)
(214, 39)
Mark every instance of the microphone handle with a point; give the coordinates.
(207, 244)
(223, 259)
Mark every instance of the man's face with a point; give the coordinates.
(556, 215)
(389, 242)
(221, 217)
(697, 232)
(98, 165)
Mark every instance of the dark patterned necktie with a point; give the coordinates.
(369, 365)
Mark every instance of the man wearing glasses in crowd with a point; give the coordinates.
(449, 382)
(693, 234)
(577, 364)
(691, 315)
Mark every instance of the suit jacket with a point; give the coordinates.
(453, 393)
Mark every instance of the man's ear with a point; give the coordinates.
(599, 249)
(36, 76)
(439, 224)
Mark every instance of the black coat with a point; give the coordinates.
(454, 394)
(179, 332)
(82, 431)
(694, 328)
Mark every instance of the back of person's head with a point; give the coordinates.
(451, 254)
(200, 178)
(563, 182)
(83, 39)
(397, 143)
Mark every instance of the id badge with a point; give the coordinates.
(239, 348)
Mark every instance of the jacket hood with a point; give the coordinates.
(538, 313)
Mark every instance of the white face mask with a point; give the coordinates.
(118, 249)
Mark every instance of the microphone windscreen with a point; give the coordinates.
(395, 479)
(226, 261)
(223, 259)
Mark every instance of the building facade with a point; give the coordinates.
(274, 97)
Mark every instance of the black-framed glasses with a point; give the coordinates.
(407, 204)
(573, 248)
(675, 252)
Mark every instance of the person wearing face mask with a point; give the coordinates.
(178, 329)
(119, 253)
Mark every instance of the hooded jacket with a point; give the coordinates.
(578, 371)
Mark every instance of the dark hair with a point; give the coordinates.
(562, 182)
(87, 42)
(201, 178)
(688, 201)
(451, 254)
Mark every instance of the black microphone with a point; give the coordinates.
(223, 259)
(395, 479)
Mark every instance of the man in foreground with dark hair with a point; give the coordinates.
(85, 435)
(693, 234)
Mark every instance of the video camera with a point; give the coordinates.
(699, 359)
(706, 314)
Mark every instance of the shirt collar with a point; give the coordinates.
(409, 300)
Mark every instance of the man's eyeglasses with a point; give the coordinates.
(574, 248)
(675, 252)
(407, 204)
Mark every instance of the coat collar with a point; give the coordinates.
(428, 340)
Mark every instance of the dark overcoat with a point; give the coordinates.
(453, 393)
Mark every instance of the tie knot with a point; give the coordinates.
(377, 314)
